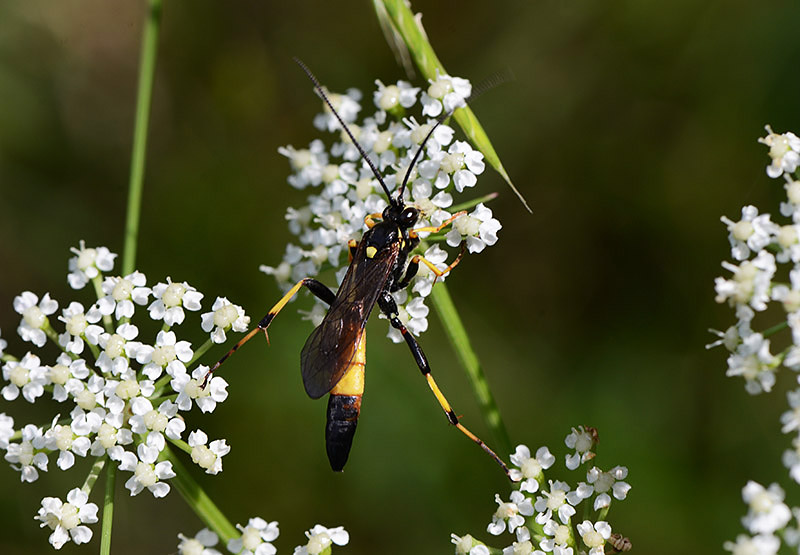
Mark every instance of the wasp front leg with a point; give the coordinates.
(413, 268)
(317, 288)
(389, 307)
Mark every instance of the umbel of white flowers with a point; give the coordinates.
(344, 190)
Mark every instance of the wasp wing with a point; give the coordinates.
(331, 347)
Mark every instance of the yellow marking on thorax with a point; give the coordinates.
(371, 252)
(352, 382)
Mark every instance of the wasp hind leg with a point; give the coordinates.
(319, 289)
(389, 307)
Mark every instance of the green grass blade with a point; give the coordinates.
(199, 501)
(410, 29)
(457, 333)
(147, 66)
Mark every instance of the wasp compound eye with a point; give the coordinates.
(409, 216)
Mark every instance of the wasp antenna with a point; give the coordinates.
(495, 79)
(361, 151)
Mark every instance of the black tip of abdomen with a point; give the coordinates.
(340, 429)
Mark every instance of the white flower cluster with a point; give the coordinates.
(121, 392)
(346, 191)
(764, 283)
(539, 514)
(257, 538)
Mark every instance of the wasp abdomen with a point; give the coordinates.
(343, 413)
(344, 406)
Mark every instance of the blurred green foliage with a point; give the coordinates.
(631, 128)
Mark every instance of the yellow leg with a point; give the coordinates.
(316, 287)
(436, 229)
(416, 259)
(389, 308)
(369, 219)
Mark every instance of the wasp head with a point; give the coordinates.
(400, 214)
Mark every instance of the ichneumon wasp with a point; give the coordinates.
(333, 358)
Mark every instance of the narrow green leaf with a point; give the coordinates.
(457, 333)
(199, 501)
(147, 67)
(410, 29)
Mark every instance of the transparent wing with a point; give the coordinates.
(331, 347)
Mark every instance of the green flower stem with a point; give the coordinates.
(162, 382)
(108, 510)
(97, 467)
(410, 29)
(201, 351)
(775, 329)
(197, 499)
(180, 444)
(147, 64)
(457, 334)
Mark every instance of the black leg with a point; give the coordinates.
(389, 307)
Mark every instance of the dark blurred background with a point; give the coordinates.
(631, 127)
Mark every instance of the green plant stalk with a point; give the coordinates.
(147, 65)
(457, 334)
(199, 501)
(108, 510)
(428, 63)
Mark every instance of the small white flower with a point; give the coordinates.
(753, 361)
(594, 535)
(110, 435)
(767, 513)
(87, 264)
(27, 376)
(64, 440)
(27, 456)
(170, 300)
(605, 482)
(479, 229)
(401, 93)
(784, 149)
(762, 544)
(346, 105)
(558, 500)
(168, 353)
(188, 388)
(208, 456)
(6, 429)
(320, 538)
(444, 93)
(256, 538)
(530, 468)
(34, 316)
(583, 441)
(224, 316)
(558, 536)
(67, 519)
(162, 420)
(750, 283)
(202, 543)
(121, 293)
(791, 459)
(118, 348)
(78, 325)
(752, 233)
(468, 545)
(147, 473)
(510, 514)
